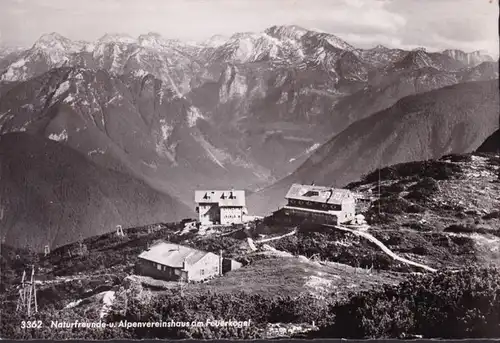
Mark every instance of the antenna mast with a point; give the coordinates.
(379, 189)
(27, 294)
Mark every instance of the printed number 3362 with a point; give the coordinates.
(35, 324)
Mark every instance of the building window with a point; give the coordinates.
(335, 207)
(216, 269)
(158, 266)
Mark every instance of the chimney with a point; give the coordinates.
(220, 262)
(184, 264)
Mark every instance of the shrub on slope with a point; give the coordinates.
(464, 304)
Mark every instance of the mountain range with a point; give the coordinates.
(247, 111)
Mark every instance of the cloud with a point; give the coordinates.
(465, 24)
(360, 17)
(435, 24)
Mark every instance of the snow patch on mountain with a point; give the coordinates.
(306, 152)
(30, 107)
(63, 136)
(161, 138)
(140, 73)
(115, 98)
(69, 99)
(161, 94)
(166, 129)
(115, 66)
(150, 165)
(96, 151)
(16, 70)
(18, 64)
(312, 148)
(193, 115)
(173, 85)
(78, 76)
(63, 88)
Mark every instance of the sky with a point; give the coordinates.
(433, 24)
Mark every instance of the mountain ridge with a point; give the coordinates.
(51, 194)
(276, 43)
(453, 119)
(97, 114)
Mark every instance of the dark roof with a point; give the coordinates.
(222, 198)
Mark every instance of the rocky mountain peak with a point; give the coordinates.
(417, 58)
(151, 40)
(117, 38)
(331, 40)
(286, 31)
(56, 42)
(51, 37)
(470, 59)
(215, 41)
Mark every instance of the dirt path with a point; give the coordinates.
(253, 247)
(276, 238)
(383, 247)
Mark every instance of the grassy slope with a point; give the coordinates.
(109, 258)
